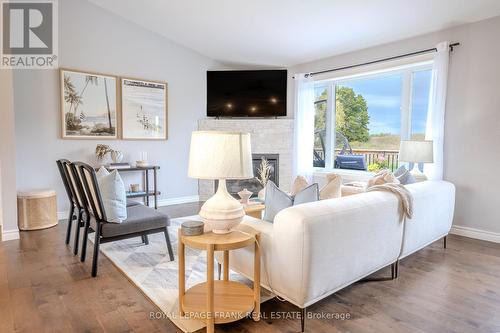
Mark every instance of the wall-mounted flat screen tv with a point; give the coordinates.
(251, 93)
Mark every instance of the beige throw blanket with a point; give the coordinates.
(404, 196)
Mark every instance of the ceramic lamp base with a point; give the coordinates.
(222, 212)
(419, 176)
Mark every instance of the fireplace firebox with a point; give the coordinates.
(236, 185)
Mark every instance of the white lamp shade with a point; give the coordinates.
(220, 155)
(416, 151)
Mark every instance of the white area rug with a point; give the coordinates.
(149, 268)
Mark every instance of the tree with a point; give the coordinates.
(351, 115)
(320, 116)
(107, 104)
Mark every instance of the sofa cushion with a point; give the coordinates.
(139, 218)
(277, 199)
(299, 184)
(309, 194)
(332, 188)
(131, 203)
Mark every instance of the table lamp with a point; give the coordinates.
(416, 152)
(221, 156)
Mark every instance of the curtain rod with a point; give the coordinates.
(452, 45)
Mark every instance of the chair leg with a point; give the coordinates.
(85, 237)
(77, 231)
(70, 222)
(444, 242)
(96, 250)
(396, 269)
(302, 319)
(169, 245)
(145, 239)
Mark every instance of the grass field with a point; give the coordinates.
(383, 141)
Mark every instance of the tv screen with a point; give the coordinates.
(259, 93)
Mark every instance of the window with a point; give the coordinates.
(370, 115)
(320, 112)
(421, 81)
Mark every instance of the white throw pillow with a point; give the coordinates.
(277, 199)
(113, 195)
(331, 189)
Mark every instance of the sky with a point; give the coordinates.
(383, 96)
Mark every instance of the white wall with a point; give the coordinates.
(8, 201)
(96, 40)
(472, 135)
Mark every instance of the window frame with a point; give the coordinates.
(406, 71)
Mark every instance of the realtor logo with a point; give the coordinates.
(29, 35)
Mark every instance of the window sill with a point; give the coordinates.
(347, 175)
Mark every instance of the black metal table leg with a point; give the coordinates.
(155, 183)
(146, 185)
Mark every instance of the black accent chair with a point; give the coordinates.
(77, 208)
(141, 220)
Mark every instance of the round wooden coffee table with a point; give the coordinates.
(221, 301)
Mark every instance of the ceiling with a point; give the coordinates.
(288, 32)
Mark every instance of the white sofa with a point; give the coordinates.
(315, 249)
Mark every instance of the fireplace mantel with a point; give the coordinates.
(269, 136)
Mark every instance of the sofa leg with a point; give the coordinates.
(302, 319)
(394, 275)
(444, 242)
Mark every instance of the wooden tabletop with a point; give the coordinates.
(254, 207)
(239, 237)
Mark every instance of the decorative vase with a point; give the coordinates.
(262, 194)
(245, 195)
(116, 156)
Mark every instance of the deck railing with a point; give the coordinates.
(389, 157)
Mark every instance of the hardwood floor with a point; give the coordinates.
(44, 288)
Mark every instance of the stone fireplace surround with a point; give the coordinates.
(268, 136)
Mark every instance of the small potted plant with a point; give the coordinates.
(263, 175)
(102, 150)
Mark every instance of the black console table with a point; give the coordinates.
(147, 192)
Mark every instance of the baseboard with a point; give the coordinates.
(62, 215)
(10, 235)
(163, 202)
(475, 233)
(176, 201)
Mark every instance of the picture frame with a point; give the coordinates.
(144, 109)
(89, 105)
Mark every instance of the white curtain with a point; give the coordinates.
(437, 106)
(303, 127)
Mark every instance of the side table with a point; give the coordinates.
(36, 209)
(220, 301)
(254, 210)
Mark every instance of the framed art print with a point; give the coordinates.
(144, 109)
(88, 105)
